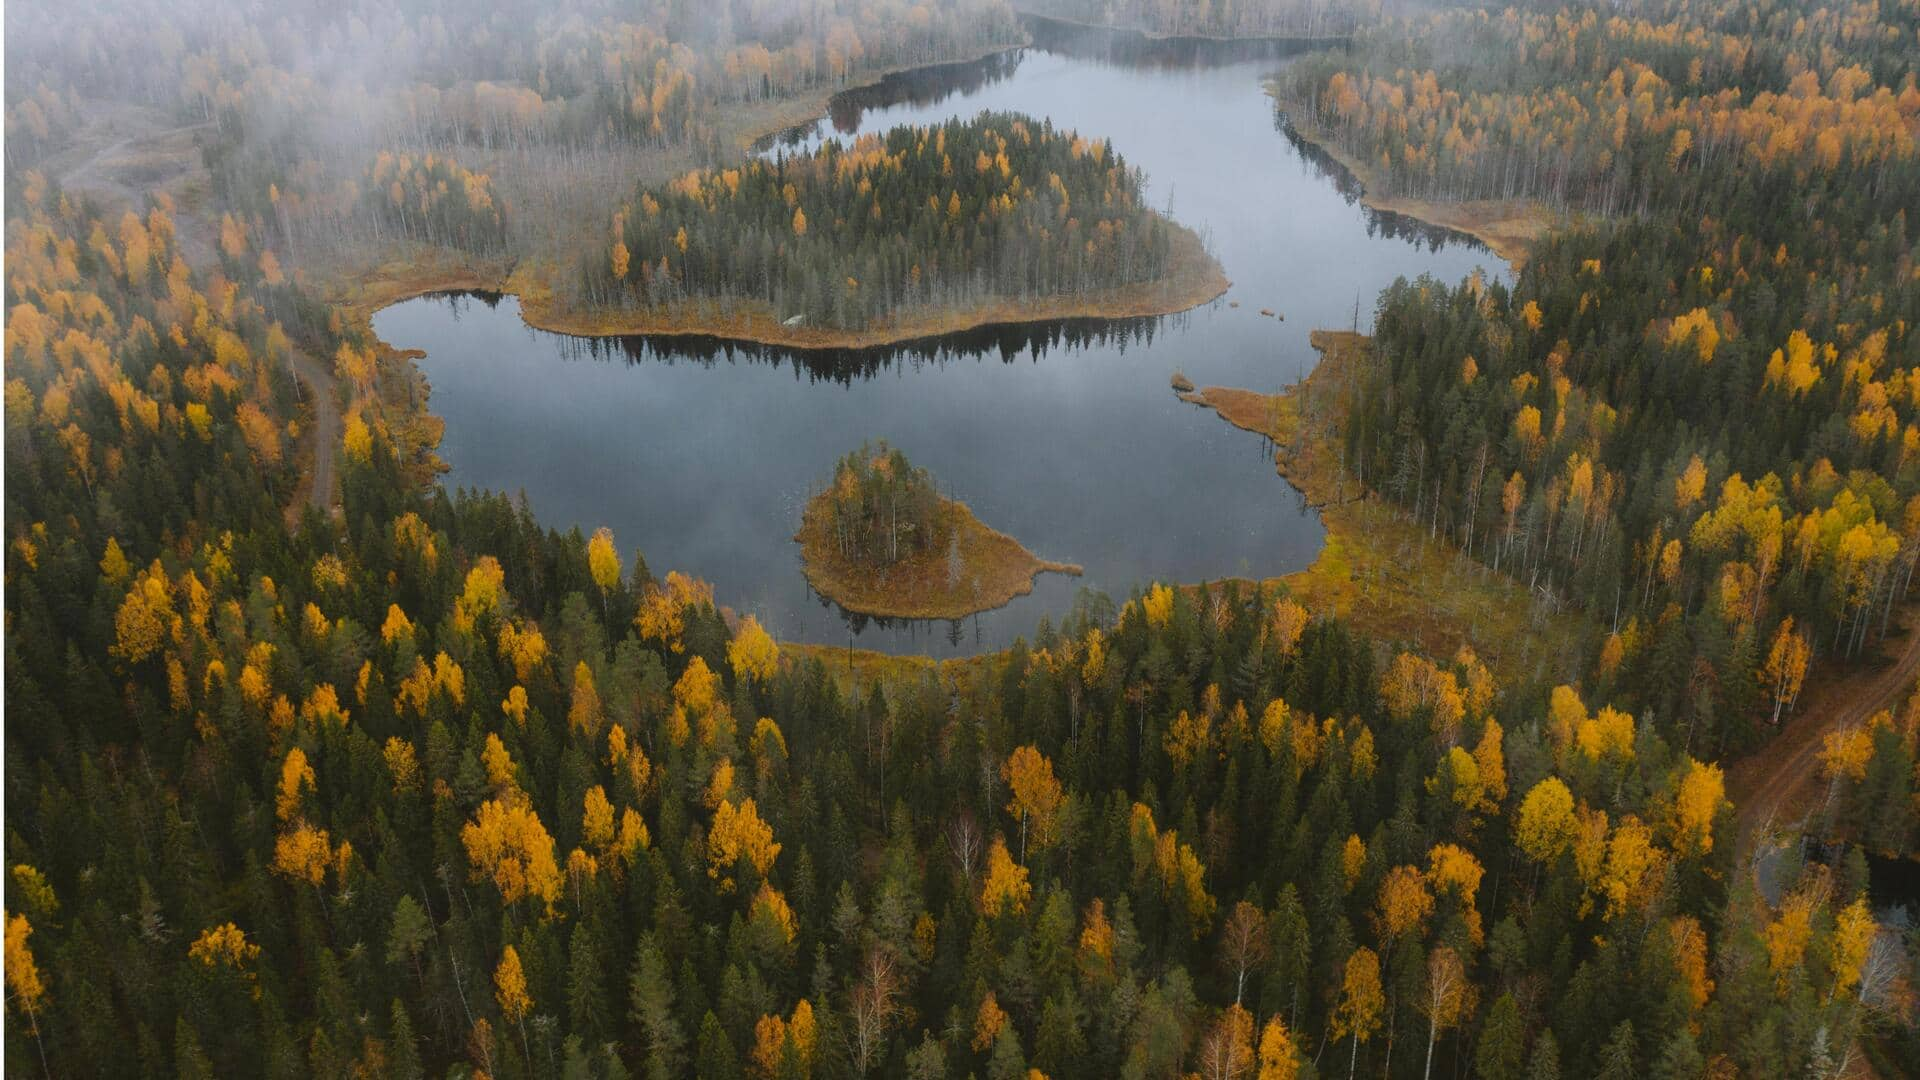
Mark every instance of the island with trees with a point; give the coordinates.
(880, 540)
(920, 231)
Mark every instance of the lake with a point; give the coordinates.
(1065, 435)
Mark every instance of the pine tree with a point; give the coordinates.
(586, 992)
(650, 993)
(189, 1060)
(1502, 1046)
(1545, 1063)
(1616, 1060)
(1006, 1062)
(403, 1051)
(715, 1059)
(1680, 1059)
(928, 1061)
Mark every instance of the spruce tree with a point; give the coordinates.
(1503, 1042)
(715, 1058)
(403, 1050)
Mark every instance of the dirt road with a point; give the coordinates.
(321, 438)
(1781, 782)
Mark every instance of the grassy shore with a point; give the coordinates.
(981, 569)
(410, 271)
(1380, 570)
(1509, 227)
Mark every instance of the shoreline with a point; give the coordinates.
(1377, 568)
(1507, 227)
(1002, 570)
(1195, 278)
(814, 105)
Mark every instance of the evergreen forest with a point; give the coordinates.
(318, 764)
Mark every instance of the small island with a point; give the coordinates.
(910, 233)
(881, 541)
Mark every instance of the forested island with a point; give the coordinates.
(880, 540)
(1001, 218)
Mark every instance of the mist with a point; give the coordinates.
(283, 112)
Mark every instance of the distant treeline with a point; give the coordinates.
(1215, 18)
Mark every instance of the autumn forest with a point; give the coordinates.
(1585, 744)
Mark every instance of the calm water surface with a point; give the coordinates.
(1065, 435)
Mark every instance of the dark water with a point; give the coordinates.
(1893, 888)
(1065, 435)
(1893, 884)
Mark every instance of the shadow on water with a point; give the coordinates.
(920, 87)
(1893, 884)
(955, 632)
(1382, 223)
(1008, 341)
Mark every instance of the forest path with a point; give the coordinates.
(1779, 781)
(321, 436)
